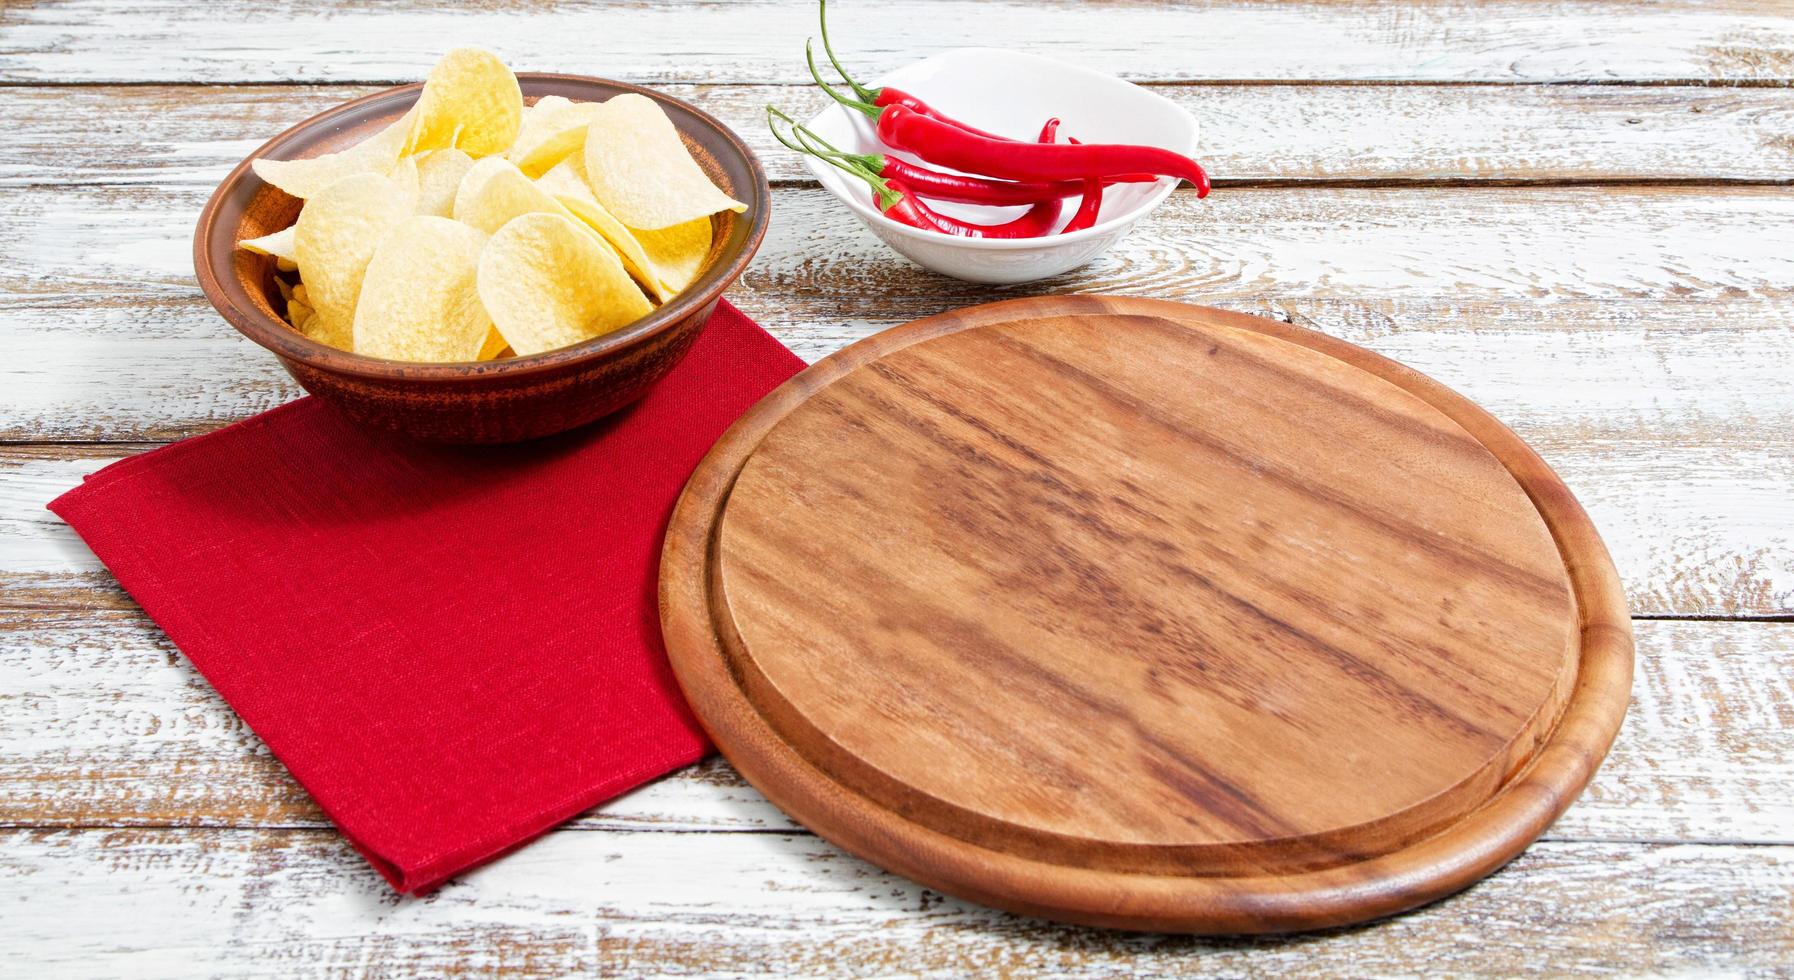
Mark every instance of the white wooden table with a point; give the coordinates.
(1579, 214)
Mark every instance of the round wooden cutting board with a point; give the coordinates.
(1146, 615)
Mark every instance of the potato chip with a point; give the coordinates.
(547, 104)
(420, 300)
(494, 191)
(537, 122)
(567, 183)
(640, 170)
(336, 235)
(494, 345)
(312, 326)
(567, 179)
(439, 174)
(548, 282)
(552, 132)
(476, 227)
(304, 178)
(666, 261)
(279, 244)
(471, 102)
(677, 254)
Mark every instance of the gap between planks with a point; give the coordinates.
(107, 727)
(1499, 40)
(1321, 136)
(167, 904)
(804, 85)
(1284, 183)
(573, 827)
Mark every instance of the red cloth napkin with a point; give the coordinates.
(452, 649)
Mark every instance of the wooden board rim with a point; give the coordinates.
(1481, 842)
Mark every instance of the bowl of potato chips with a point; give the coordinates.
(484, 256)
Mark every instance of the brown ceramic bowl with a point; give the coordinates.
(489, 401)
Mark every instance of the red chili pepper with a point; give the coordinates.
(964, 189)
(881, 98)
(1085, 215)
(1035, 222)
(960, 188)
(896, 200)
(907, 123)
(950, 146)
(906, 209)
(877, 102)
(889, 96)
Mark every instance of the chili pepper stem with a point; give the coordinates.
(887, 195)
(865, 94)
(868, 161)
(809, 135)
(868, 108)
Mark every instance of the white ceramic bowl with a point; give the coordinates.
(1013, 94)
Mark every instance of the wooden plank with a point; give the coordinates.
(177, 903)
(762, 41)
(1698, 523)
(103, 723)
(1252, 133)
(1497, 270)
(1604, 324)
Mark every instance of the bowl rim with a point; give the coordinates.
(1163, 187)
(278, 336)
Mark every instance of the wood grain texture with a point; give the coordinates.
(1560, 268)
(236, 903)
(1069, 604)
(762, 40)
(102, 722)
(1643, 362)
(1064, 550)
(1250, 133)
(1698, 520)
(1637, 337)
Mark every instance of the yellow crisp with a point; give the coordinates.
(495, 191)
(547, 283)
(640, 170)
(336, 235)
(419, 300)
(439, 174)
(566, 181)
(553, 130)
(476, 227)
(305, 178)
(545, 106)
(279, 244)
(405, 174)
(471, 102)
(677, 253)
(538, 123)
(297, 314)
(664, 261)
